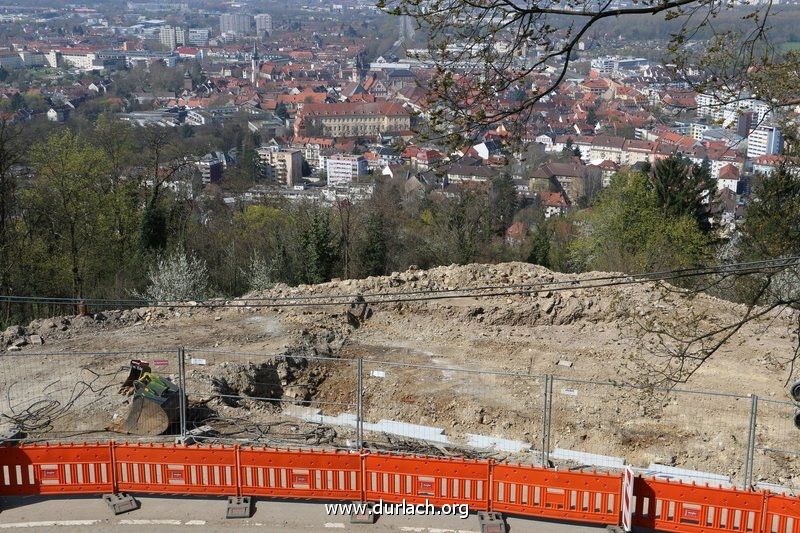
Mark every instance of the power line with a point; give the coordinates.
(742, 268)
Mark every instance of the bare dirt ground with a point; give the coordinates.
(442, 363)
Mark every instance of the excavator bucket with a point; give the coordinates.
(154, 408)
(138, 367)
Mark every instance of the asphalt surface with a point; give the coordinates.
(82, 514)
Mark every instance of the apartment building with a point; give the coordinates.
(263, 24)
(764, 140)
(172, 36)
(342, 169)
(284, 166)
(235, 23)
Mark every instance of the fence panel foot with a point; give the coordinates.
(120, 503)
(492, 523)
(362, 515)
(239, 507)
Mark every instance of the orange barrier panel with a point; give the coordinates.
(291, 474)
(309, 474)
(58, 469)
(176, 469)
(394, 478)
(533, 491)
(782, 514)
(675, 506)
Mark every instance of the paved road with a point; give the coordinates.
(90, 514)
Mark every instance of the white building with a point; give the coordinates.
(198, 36)
(342, 169)
(235, 23)
(764, 140)
(263, 24)
(172, 37)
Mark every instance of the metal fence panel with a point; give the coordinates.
(272, 400)
(72, 396)
(430, 408)
(777, 445)
(687, 435)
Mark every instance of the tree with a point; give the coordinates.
(685, 189)
(66, 200)
(771, 228)
(10, 152)
(540, 249)
(316, 246)
(628, 231)
(177, 276)
(505, 202)
(373, 253)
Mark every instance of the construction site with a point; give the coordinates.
(551, 377)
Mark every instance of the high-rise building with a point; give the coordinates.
(198, 36)
(284, 166)
(764, 140)
(263, 24)
(168, 37)
(235, 23)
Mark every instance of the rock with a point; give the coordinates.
(19, 342)
(14, 348)
(565, 363)
(36, 340)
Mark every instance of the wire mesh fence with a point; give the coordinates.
(274, 400)
(74, 396)
(776, 446)
(470, 412)
(688, 435)
(285, 400)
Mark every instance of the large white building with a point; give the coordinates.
(172, 36)
(764, 140)
(342, 169)
(235, 23)
(263, 24)
(198, 36)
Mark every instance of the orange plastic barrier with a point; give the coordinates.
(394, 478)
(172, 469)
(334, 475)
(313, 474)
(579, 496)
(57, 469)
(675, 506)
(782, 515)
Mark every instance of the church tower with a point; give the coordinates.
(255, 65)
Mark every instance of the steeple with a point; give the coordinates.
(255, 64)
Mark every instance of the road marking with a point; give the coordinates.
(434, 530)
(196, 523)
(50, 523)
(337, 525)
(144, 522)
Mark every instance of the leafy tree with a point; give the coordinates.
(771, 228)
(505, 202)
(10, 152)
(373, 254)
(628, 231)
(684, 189)
(540, 250)
(66, 200)
(177, 276)
(316, 246)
